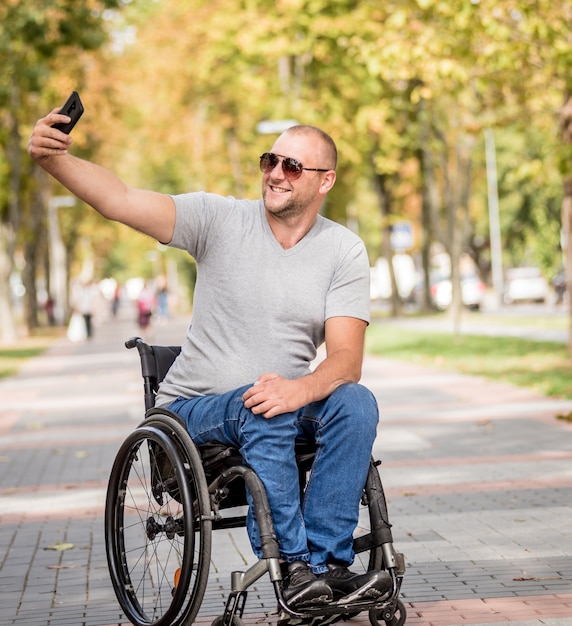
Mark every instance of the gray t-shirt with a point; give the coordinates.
(257, 307)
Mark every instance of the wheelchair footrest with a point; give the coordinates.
(400, 560)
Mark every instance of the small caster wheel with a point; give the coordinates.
(377, 617)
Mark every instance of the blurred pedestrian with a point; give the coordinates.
(49, 306)
(86, 304)
(559, 284)
(146, 303)
(162, 298)
(115, 301)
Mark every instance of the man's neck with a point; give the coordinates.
(290, 232)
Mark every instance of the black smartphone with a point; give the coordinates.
(74, 108)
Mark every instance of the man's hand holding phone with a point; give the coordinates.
(73, 108)
(43, 141)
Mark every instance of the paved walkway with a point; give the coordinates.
(478, 476)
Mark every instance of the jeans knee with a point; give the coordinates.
(358, 404)
(357, 399)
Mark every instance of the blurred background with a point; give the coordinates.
(453, 122)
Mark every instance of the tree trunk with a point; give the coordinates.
(7, 323)
(384, 198)
(430, 202)
(33, 247)
(567, 228)
(9, 229)
(566, 130)
(425, 304)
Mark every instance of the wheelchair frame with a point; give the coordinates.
(164, 499)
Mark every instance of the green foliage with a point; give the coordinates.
(35, 32)
(174, 91)
(530, 190)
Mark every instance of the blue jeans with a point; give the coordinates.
(319, 529)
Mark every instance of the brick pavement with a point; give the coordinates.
(477, 473)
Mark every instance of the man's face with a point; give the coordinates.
(286, 198)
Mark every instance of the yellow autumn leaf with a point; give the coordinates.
(61, 547)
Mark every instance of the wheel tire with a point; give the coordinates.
(157, 525)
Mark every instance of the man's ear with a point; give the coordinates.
(327, 182)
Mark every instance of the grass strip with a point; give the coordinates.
(542, 366)
(13, 356)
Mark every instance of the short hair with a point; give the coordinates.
(330, 150)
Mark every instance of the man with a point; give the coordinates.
(275, 280)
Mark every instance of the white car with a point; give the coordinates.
(472, 293)
(525, 284)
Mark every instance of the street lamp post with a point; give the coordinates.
(57, 254)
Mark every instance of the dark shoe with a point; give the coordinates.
(350, 587)
(303, 588)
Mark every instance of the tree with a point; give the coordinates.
(34, 38)
(406, 87)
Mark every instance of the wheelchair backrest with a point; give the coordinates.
(164, 357)
(155, 363)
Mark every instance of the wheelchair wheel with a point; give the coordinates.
(158, 524)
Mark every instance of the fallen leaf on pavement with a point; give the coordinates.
(60, 547)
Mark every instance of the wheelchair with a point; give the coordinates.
(165, 498)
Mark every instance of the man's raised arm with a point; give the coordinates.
(149, 212)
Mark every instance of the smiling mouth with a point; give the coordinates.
(279, 189)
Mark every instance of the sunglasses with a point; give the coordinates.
(292, 169)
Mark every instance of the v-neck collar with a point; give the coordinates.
(275, 243)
